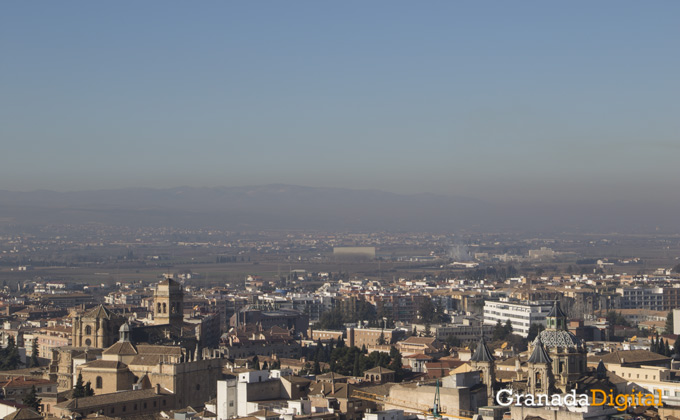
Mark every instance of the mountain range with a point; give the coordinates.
(280, 206)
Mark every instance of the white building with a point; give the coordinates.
(520, 314)
(641, 298)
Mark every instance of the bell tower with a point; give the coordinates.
(168, 303)
(540, 378)
(483, 361)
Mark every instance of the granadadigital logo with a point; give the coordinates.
(597, 398)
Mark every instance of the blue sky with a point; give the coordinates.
(531, 100)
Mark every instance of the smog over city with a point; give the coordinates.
(339, 210)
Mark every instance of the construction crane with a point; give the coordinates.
(437, 403)
(436, 410)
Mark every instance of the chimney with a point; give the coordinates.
(158, 389)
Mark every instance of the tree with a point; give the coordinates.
(534, 330)
(498, 331)
(615, 318)
(33, 361)
(88, 389)
(669, 323)
(427, 311)
(265, 366)
(676, 345)
(11, 359)
(453, 341)
(31, 399)
(508, 328)
(79, 388)
(331, 320)
(317, 367)
(396, 364)
(381, 339)
(355, 369)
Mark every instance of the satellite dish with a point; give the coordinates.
(504, 345)
(633, 338)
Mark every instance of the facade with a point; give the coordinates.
(97, 328)
(379, 375)
(168, 303)
(370, 337)
(521, 315)
(252, 391)
(121, 404)
(641, 298)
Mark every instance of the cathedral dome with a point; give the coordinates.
(559, 338)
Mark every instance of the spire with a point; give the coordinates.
(539, 355)
(601, 371)
(556, 318)
(482, 353)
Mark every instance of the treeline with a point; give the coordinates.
(336, 319)
(491, 273)
(660, 346)
(350, 361)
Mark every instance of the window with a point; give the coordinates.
(99, 382)
(88, 342)
(144, 405)
(198, 387)
(88, 330)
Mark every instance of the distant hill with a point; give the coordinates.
(296, 207)
(260, 207)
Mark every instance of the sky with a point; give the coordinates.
(524, 100)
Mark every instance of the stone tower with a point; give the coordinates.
(568, 352)
(168, 303)
(540, 378)
(483, 361)
(96, 328)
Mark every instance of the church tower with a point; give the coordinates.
(540, 379)
(568, 352)
(169, 303)
(96, 328)
(483, 361)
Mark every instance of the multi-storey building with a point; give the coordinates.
(641, 298)
(520, 314)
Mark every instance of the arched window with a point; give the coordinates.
(88, 330)
(165, 308)
(99, 382)
(159, 308)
